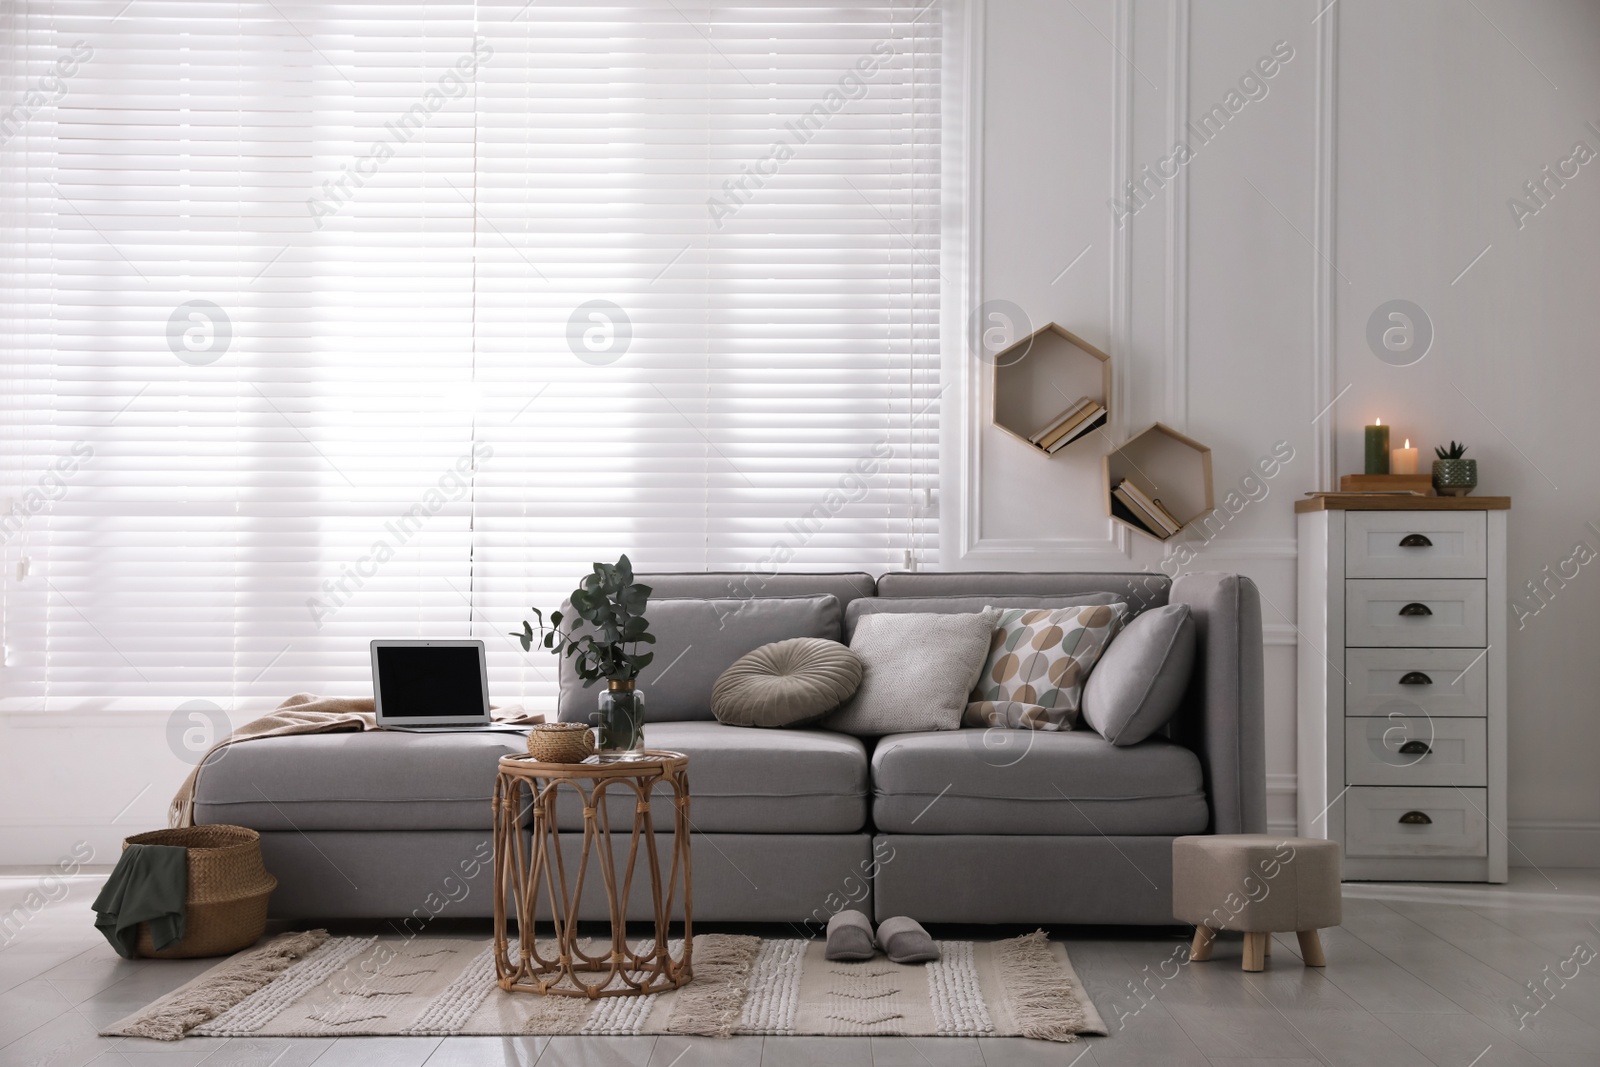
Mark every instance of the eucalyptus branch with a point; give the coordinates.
(611, 603)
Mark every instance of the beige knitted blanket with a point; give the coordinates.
(305, 713)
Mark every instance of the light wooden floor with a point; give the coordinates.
(1418, 975)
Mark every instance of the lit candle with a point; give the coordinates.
(1377, 448)
(1403, 460)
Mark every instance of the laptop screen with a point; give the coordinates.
(419, 681)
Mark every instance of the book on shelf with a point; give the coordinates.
(1124, 509)
(1420, 484)
(1094, 416)
(1151, 504)
(1147, 510)
(1060, 420)
(1070, 425)
(1168, 520)
(1371, 492)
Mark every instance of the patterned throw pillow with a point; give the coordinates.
(1038, 662)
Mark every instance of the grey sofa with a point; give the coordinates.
(985, 826)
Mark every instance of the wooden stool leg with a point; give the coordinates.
(1204, 937)
(1255, 950)
(1311, 948)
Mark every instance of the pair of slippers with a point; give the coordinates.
(903, 940)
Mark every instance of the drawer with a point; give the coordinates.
(1416, 544)
(1454, 826)
(1440, 682)
(1416, 750)
(1449, 612)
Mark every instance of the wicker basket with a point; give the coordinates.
(561, 742)
(228, 890)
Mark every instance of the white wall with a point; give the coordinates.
(1235, 303)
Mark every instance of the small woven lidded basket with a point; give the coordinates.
(561, 742)
(226, 908)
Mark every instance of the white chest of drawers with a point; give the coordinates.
(1402, 684)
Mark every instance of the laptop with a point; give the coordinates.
(432, 686)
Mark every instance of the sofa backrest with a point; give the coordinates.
(748, 585)
(695, 645)
(1138, 589)
(696, 640)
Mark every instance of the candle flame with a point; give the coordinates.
(1377, 422)
(1408, 442)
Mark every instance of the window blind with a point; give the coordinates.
(328, 321)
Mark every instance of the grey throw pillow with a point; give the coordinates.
(1142, 676)
(787, 683)
(917, 670)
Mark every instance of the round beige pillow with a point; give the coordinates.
(787, 683)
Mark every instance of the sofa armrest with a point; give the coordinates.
(1224, 717)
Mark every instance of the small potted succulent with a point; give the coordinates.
(612, 604)
(1454, 475)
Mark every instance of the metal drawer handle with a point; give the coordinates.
(1415, 818)
(1415, 541)
(1414, 608)
(1415, 748)
(1415, 678)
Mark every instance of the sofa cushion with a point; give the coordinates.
(696, 640)
(917, 670)
(1075, 782)
(1142, 676)
(745, 781)
(374, 780)
(1038, 661)
(958, 605)
(788, 683)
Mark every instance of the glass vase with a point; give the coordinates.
(621, 722)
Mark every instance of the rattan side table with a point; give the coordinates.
(525, 874)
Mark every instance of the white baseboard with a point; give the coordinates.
(60, 842)
(1534, 842)
(1560, 843)
(1554, 842)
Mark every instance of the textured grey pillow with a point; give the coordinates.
(696, 640)
(1136, 687)
(787, 683)
(917, 672)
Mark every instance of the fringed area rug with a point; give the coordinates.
(313, 985)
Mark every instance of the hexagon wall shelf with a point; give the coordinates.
(1166, 466)
(1040, 376)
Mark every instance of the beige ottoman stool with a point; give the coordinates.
(1258, 884)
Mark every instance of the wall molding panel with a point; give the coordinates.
(1178, 221)
(1279, 633)
(1121, 235)
(1324, 297)
(1115, 549)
